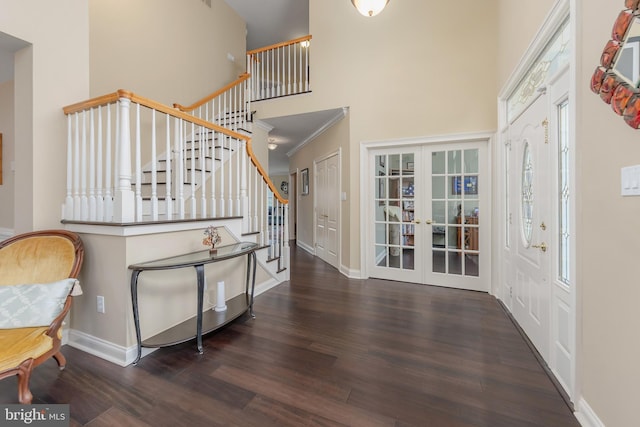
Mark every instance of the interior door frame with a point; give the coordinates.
(366, 192)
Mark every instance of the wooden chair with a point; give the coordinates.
(29, 261)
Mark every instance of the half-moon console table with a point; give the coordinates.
(202, 323)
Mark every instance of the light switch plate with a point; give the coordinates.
(630, 180)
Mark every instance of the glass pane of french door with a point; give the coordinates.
(455, 212)
(394, 205)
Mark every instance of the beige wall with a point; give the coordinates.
(333, 139)
(518, 23)
(166, 298)
(8, 138)
(167, 50)
(607, 236)
(409, 72)
(51, 73)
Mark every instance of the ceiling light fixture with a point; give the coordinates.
(369, 7)
(272, 146)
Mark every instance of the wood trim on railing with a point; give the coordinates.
(277, 45)
(242, 78)
(91, 103)
(265, 176)
(121, 93)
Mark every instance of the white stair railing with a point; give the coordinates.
(194, 155)
(280, 69)
(133, 160)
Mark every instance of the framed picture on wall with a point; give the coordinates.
(304, 178)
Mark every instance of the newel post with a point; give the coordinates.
(124, 204)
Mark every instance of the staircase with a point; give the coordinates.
(198, 161)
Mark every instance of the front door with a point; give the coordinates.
(428, 224)
(530, 217)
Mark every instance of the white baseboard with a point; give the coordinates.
(306, 247)
(350, 272)
(586, 415)
(106, 350)
(265, 286)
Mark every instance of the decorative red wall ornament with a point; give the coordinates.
(617, 78)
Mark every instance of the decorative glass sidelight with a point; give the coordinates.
(394, 206)
(564, 196)
(455, 212)
(527, 198)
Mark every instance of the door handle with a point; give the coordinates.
(428, 221)
(417, 221)
(542, 246)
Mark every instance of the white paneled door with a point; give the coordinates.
(327, 173)
(430, 221)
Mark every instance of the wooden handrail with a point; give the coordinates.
(277, 45)
(265, 176)
(208, 98)
(121, 93)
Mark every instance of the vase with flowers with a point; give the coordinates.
(211, 238)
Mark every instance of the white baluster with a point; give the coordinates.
(99, 171)
(244, 199)
(262, 75)
(295, 70)
(84, 200)
(285, 219)
(255, 227)
(223, 161)
(289, 70)
(154, 168)
(138, 167)
(67, 209)
(203, 171)
(91, 170)
(167, 179)
(124, 198)
(238, 183)
(68, 201)
(108, 195)
(272, 77)
(193, 171)
(261, 215)
(180, 167)
(301, 81)
(230, 179)
(214, 212)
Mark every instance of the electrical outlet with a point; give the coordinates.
(100, 303)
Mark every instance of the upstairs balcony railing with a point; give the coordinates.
(133, 160)
(280, 69)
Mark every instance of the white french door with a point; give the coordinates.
(430, 221)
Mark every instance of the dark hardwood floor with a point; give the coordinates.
(324, 350)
